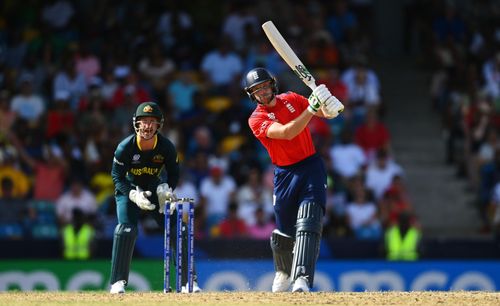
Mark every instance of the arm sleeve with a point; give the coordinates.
(259, 125)
(119, 171)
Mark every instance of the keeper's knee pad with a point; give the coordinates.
(282, 247)
(307, 241)
(123, 248)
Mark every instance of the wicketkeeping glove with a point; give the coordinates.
(139, 197)
(332, 107)
(165, 193)
(317, 98)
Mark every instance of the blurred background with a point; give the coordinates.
(416, 150)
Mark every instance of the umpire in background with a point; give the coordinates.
(139, 164)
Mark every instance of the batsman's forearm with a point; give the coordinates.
(294, 127)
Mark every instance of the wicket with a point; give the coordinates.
(179, 203)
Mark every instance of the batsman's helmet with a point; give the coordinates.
(258, 76)
(148, 109)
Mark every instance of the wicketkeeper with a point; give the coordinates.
(139, 163)
(280, 123)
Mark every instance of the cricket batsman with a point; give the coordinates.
(279, 122)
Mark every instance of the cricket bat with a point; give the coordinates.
(284, 50)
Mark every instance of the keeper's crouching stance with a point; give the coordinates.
(138, 165)
(280, 121)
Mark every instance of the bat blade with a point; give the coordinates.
(286, 52)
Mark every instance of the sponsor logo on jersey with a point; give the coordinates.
(135, 158)
(158, 158)
(290, 107)
(271, 116)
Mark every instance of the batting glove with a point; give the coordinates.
(165, 193)
(332, 107)
(318, 97)
(139, 197)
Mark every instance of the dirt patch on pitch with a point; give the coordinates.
(251, 298)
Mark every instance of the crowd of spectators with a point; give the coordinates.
(73, 72)
(462, 40)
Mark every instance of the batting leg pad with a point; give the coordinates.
(123, 248)
(308, 237)
(282, 247)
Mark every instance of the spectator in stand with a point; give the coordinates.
(77, 197)
(182, 96)
(216, 191)
(363, 95)
(263, 226)
(372, 135)
(198, 168)
(186, 189)
(87, 63)
(7, 115)
(360, 67)
(380, 173)
(60, 118)
(348, 158)
(202, 141)
(241, 17)
(20, 182)
(15, 50)
(322, 51)
(263, 55)
(341, 22)
(222, 68)
(362, 215)
(485, 155)
(27, 105)
(57, 13)
(121, 116)
(231, 226)
(70, 80)
(491, 76)
(253, 195)
(156, 70)
(49, 171)
(449, 24)
(402, 240)
(78, 237)
(172, 24)
(129, 87)
(109, 86)
(394, 202)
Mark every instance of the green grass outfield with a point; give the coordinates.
(250, 298)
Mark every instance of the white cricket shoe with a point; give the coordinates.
(118, 287)
(301, 285)
(281, 282)
(196, 288)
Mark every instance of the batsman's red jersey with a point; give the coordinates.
(283, 152)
